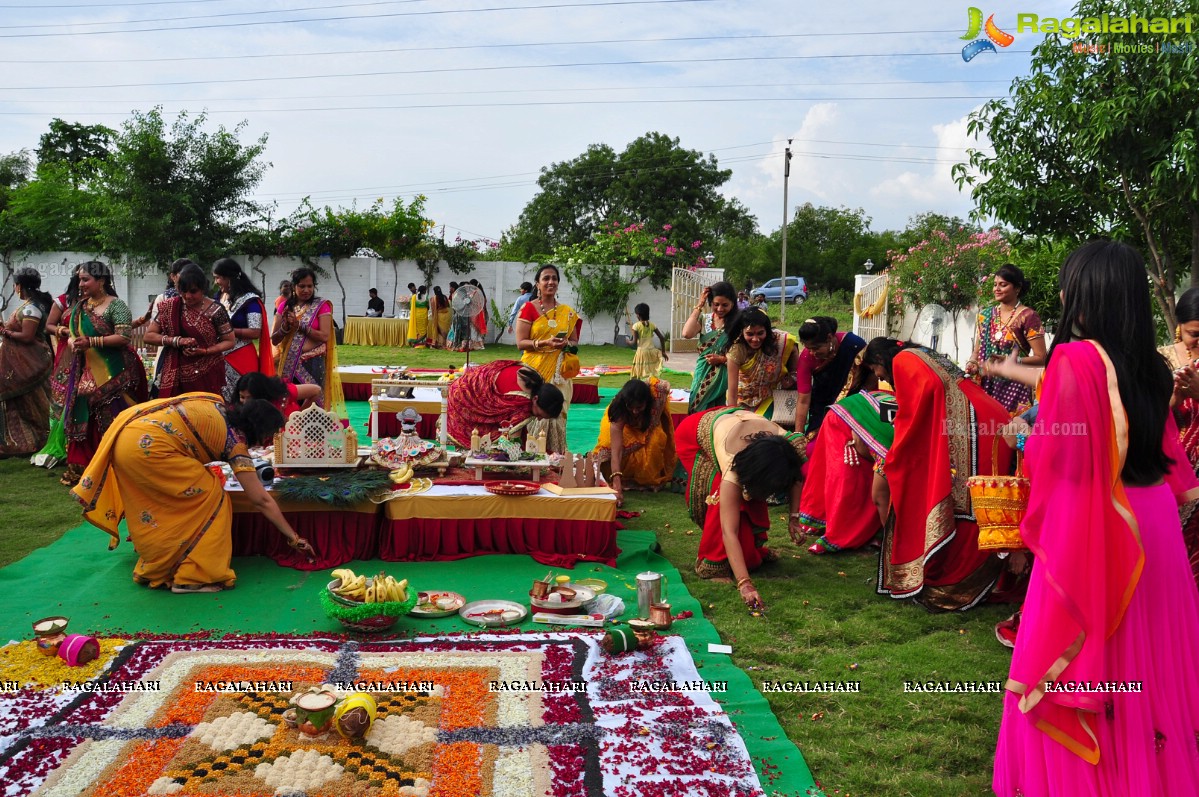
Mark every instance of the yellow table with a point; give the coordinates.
(364, 331)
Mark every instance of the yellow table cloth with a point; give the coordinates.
(364, 331)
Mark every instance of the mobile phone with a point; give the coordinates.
(561, 336)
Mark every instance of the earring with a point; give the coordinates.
(1178, 334)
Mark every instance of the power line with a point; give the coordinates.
(226, 14)
(567, 90)
(450, 47)
(560, 104)
(439, 12)
(117, 5)
(499, 68)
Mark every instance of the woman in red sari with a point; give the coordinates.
(735, 460)
(1111, 600)
(501, 393)
(195, 333)
(100, 375)
(944, 433)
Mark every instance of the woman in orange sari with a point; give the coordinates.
(944, 433)
(195, 333)
(150, 469)
(25, 363)
(101, 374)
(546, 331)
(636, 438)
(1103, 694)
(306, 347)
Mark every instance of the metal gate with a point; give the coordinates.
(870, 311)
(686, 286)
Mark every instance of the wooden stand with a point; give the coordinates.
(490, 464)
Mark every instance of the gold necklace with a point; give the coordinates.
(92, 304)
(550, 321)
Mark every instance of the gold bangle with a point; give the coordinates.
(616, 473)
(741, 582)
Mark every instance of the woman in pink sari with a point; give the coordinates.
(1103, 695)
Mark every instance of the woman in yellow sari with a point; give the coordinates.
(636, 438)
(443, 316)
(305, 345)
(418, 319)
(762, 360)
(150, 470)
(548, 334)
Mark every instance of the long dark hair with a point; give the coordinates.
(546, 396)
(732, 318)
(192, 276)
(1105, 298)
(99, 271)
(881, 351)
(72, 291)
(634, 392)
(260, 386)
(767, 466)
(537, 276)
(30, 282)
(752, 317)
(1186, 309)
(239, 283)
(258, 420)
(176, 267)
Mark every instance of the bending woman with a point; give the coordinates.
(546, 330)
(283, 396)
(102, 374)
(711, 381)
(945, 430)
(1111, 599)
(636, 438)
(735, 460)
(504, 393)
(25, 363)
(181, 526)
(194, 333)
(827, 368)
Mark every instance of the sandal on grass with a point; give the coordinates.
(188, 589)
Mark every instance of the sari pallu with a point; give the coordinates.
(178, 372)
(25, 389)
(315, 367)
(943, 435)
(836, 503)
(486, 397)
(1110, 601)
(55, 449)
(94, 385)
(710, 383)
(150, 471)
(648, 457)
(548, 362)
(696, 445)
(247, 312)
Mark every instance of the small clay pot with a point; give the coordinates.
(659, 615)
(540, 589)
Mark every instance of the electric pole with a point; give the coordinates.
(786, 178)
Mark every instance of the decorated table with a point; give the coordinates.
(367, 331)
(356, 379)
(425, 400)
(454, 522)
(338, 534)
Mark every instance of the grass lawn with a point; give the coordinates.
(824, 623)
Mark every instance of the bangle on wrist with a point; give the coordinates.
(617, 474)
(741, 582)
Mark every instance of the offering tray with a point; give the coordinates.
(429, 604)
(493, 613)
(512, 488)
(496, 464)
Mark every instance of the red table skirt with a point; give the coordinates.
(552, 542)
(389, 425)
(585, 394)
(337, 537)
(356, 391)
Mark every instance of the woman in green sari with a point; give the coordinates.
(99, 375)
(710, 383)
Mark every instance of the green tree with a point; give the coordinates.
(15, 169)
(81, 148)
(396, 234)
(169, 192)
(824, 245)
(654, 181)
(1101, 145)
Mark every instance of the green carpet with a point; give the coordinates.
(78, 578)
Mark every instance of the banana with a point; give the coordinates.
(370, 594)
(402, 475)
(345, 574)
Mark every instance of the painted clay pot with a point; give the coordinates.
(355, 715)
(50, 632)
(315, 709)
(77, 649)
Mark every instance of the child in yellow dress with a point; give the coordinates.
(647, 361)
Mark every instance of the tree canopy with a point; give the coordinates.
(653, 181)
(1100, 144)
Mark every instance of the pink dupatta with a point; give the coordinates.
(1082, 530)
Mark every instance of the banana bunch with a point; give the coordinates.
(402, 475)
(381, 589)
(384, 589)
(352, 586)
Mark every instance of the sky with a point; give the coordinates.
(465, 101)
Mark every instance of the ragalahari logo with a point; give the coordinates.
(994, 34)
